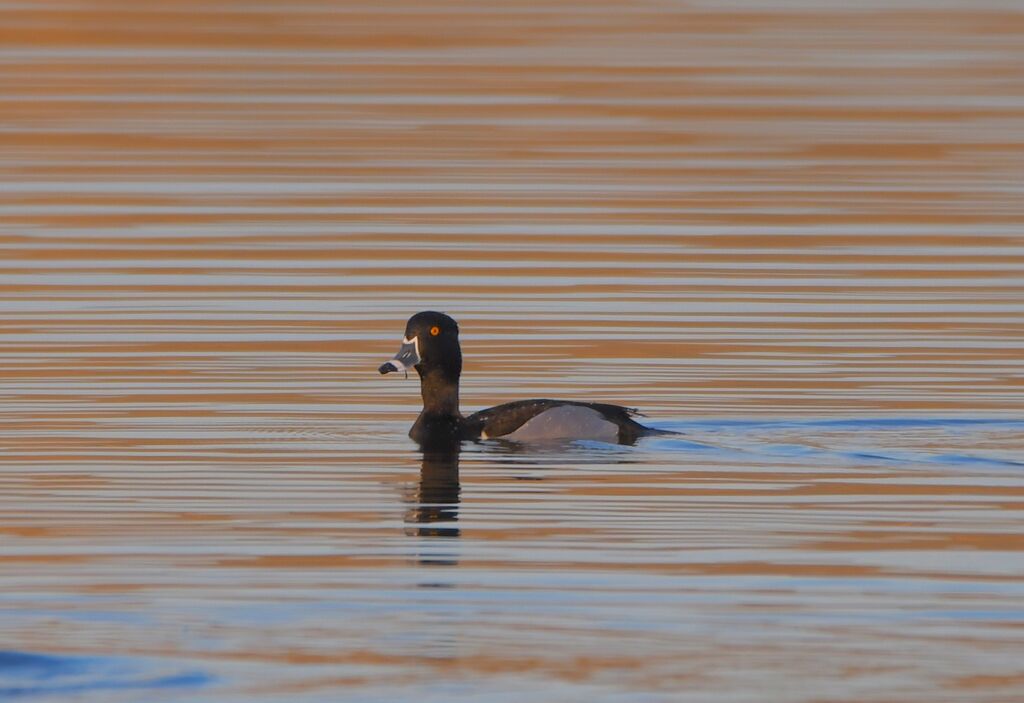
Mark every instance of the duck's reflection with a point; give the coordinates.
(434, 502)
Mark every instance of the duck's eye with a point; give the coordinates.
(434, 331)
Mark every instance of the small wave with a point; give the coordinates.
(753, 440)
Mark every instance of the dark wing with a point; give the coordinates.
(509, 417)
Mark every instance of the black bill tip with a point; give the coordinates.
(387, 367)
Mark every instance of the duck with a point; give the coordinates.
(431, 347)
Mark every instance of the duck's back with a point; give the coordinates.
(543, 419)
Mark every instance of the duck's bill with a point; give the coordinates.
(408, 356)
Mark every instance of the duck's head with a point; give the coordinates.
(431, 346)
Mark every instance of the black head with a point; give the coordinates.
(431, 345)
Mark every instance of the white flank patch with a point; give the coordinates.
(566, 422)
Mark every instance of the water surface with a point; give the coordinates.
(789, 231)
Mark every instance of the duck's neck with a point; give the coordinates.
(440, 394)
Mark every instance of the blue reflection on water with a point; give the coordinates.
(860, 422)
(747, 439)
(24, 674)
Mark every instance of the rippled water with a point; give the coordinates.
(791, 232)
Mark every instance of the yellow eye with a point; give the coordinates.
(434, 331)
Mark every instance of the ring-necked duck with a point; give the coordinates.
(431, 346)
